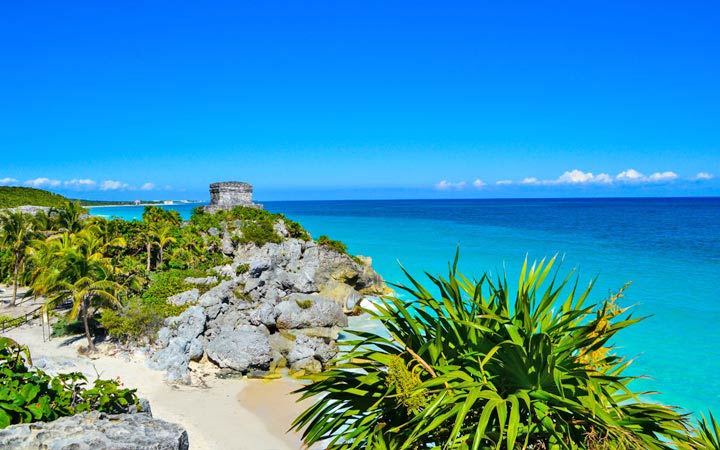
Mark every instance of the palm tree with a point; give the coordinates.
(16, 232)
(81, 274)
(163, 237)
(479, 367)
(70, 217)
(148, 238)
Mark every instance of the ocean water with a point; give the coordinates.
(668, 248)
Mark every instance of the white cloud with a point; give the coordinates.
(576, 176)
(113, 185)
(84, 183)
(603, 178)
(478, 183)
(42, 182)
(445, 185)
(699, 176)
(530, 180)
(8, 180)
(633, 176)
(503, 182)
(147, 186)
(659, 177)
(630, 175)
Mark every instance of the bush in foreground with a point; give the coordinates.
(478, 367)
(30, 395)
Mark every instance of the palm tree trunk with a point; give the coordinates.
(15, 284)
(91, 344)
(160, 258)
(149, 254)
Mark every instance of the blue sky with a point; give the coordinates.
(306, 100)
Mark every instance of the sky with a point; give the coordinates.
(335, 100)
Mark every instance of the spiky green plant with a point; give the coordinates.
(707, 433)
(478, 367)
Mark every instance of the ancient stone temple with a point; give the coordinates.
(229, 194)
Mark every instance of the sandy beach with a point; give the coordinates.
(232, 414)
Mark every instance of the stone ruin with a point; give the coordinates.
(229, 194)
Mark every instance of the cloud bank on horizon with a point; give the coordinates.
(80, 184)
(578, 177)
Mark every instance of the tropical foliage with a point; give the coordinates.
(30, 395)
(16, 232)
(117, 273)
(479, 366)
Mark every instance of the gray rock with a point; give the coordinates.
(258, 266)
(343, 294)
(212, 231)
(226, 244)
(222, 293)
(309, 347)
(265, 314)
(203, 280)
(97, 431)
(280, 228)
(244, 349)
(191, 323)
(309, 365)
(309, 312)
(163, 336)
(183, 298)
(194, 350)
(225, 271)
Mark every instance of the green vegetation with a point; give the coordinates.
(12, 197)
(30, 395)
(116, 275)
(338, 246)
(476, 366)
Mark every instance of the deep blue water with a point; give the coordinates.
(668, 248)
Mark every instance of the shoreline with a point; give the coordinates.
(233, 414)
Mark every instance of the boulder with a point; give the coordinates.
(265, 314)
(258, 266)
(226, 244)
(342, 294)
(300, 311)
(174, 360)
(244, 349)
(203, 280)
(97, 431)
(188, 325)
(183, 298)
(309, 347)
(307, 365)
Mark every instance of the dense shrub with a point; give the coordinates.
(259, 233)
(30, 395)
(338, 246)
(166, 284)
(139, 320)
(64, 327)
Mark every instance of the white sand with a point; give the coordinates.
(227, 414)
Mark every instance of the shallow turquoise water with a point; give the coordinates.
(668, 248)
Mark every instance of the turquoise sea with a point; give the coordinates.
(669, 249)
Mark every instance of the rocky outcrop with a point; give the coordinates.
(97, 431)
(278, 305)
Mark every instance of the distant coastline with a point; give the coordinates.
(115, 205)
